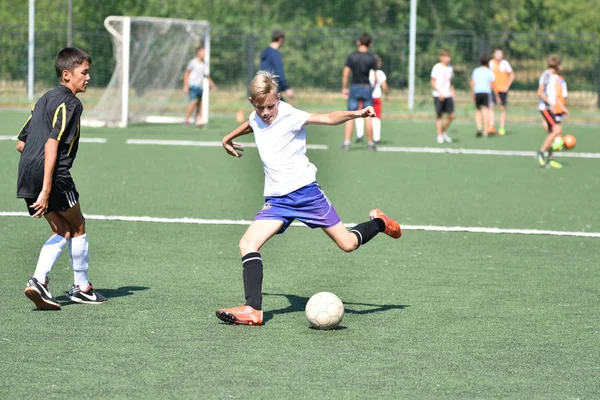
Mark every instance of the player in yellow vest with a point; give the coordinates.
(504, 75)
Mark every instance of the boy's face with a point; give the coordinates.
(200, 54)
(445, 59)
(498, 55)
(77, 79)
(268, 108)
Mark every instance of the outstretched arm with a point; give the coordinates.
(232, 148)
(339, 117)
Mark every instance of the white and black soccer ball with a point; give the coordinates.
(324, 310)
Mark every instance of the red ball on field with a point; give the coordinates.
(569, 141)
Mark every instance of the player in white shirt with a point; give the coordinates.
(290, 188)
(551, 105)
(193, 81)
(443, 95)
(380, 85)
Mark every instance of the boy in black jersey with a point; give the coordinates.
(48, 144)
(358, 64)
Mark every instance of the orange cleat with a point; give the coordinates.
(392, 228)
(242, 315)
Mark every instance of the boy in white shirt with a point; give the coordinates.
(290, 188)
(443, 95)
(552, 107)
(380, 85)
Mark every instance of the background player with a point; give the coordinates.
(193, 82)
(290, 188)
(504, 78)
(482, 82)
(48, 143)
(443, 95)
(378, 81)
(358, 64)
(552, 108)
(271, 60)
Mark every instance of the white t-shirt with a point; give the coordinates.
(380, 79)
(555, 88)
(282, 149)
(443, 79)
(197, 72)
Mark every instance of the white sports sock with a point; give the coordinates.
(48, 256)
(360, 127)
(79, 260)
(376, 129)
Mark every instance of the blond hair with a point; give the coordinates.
(262, 85)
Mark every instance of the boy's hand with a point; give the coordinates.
(233, 148)
(367, 112)
(40, 205)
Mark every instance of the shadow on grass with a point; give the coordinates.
(298, 303)
(108, 293)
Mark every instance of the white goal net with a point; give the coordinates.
(151, 55)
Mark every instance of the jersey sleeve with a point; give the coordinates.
(299, 119)
(25, 129)
(565, 93)
(506, 67)
(348, 62)
(65, 123)
(381, 77)
(190, 65)
(435, 71)
(544, 79)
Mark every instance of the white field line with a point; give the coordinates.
(83, 139)
(445, 150)
(433, 228)
(206, 144)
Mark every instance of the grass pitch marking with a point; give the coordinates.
(431, 228)
(447, 150)
(83, 139)
(206, 144)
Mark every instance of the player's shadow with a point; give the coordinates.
(298, 303)
(108, 293)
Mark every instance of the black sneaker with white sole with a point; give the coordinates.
(88, 297)
(40, 295)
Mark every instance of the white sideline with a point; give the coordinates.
(83, 139)
(206, 144)
(433, 228)
(446, 150)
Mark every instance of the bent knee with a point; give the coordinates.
(347, 245)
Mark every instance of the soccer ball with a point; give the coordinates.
(569, 141)
(324, 310)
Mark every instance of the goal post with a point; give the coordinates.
(150, 55)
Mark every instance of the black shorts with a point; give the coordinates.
(503, 98)
(551, 119)
(482, 100)
(445, 106)
(56, 202)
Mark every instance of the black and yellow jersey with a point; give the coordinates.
(55, 115)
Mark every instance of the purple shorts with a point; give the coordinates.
(307, 204)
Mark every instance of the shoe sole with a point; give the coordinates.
(80, 301)
(233, 320)
(34, 295)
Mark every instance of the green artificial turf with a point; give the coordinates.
(448, 315)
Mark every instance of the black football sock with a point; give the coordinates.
(253, 276)
(368, 230)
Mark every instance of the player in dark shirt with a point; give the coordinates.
(272, 61)
(48, 144)
(358, 64)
